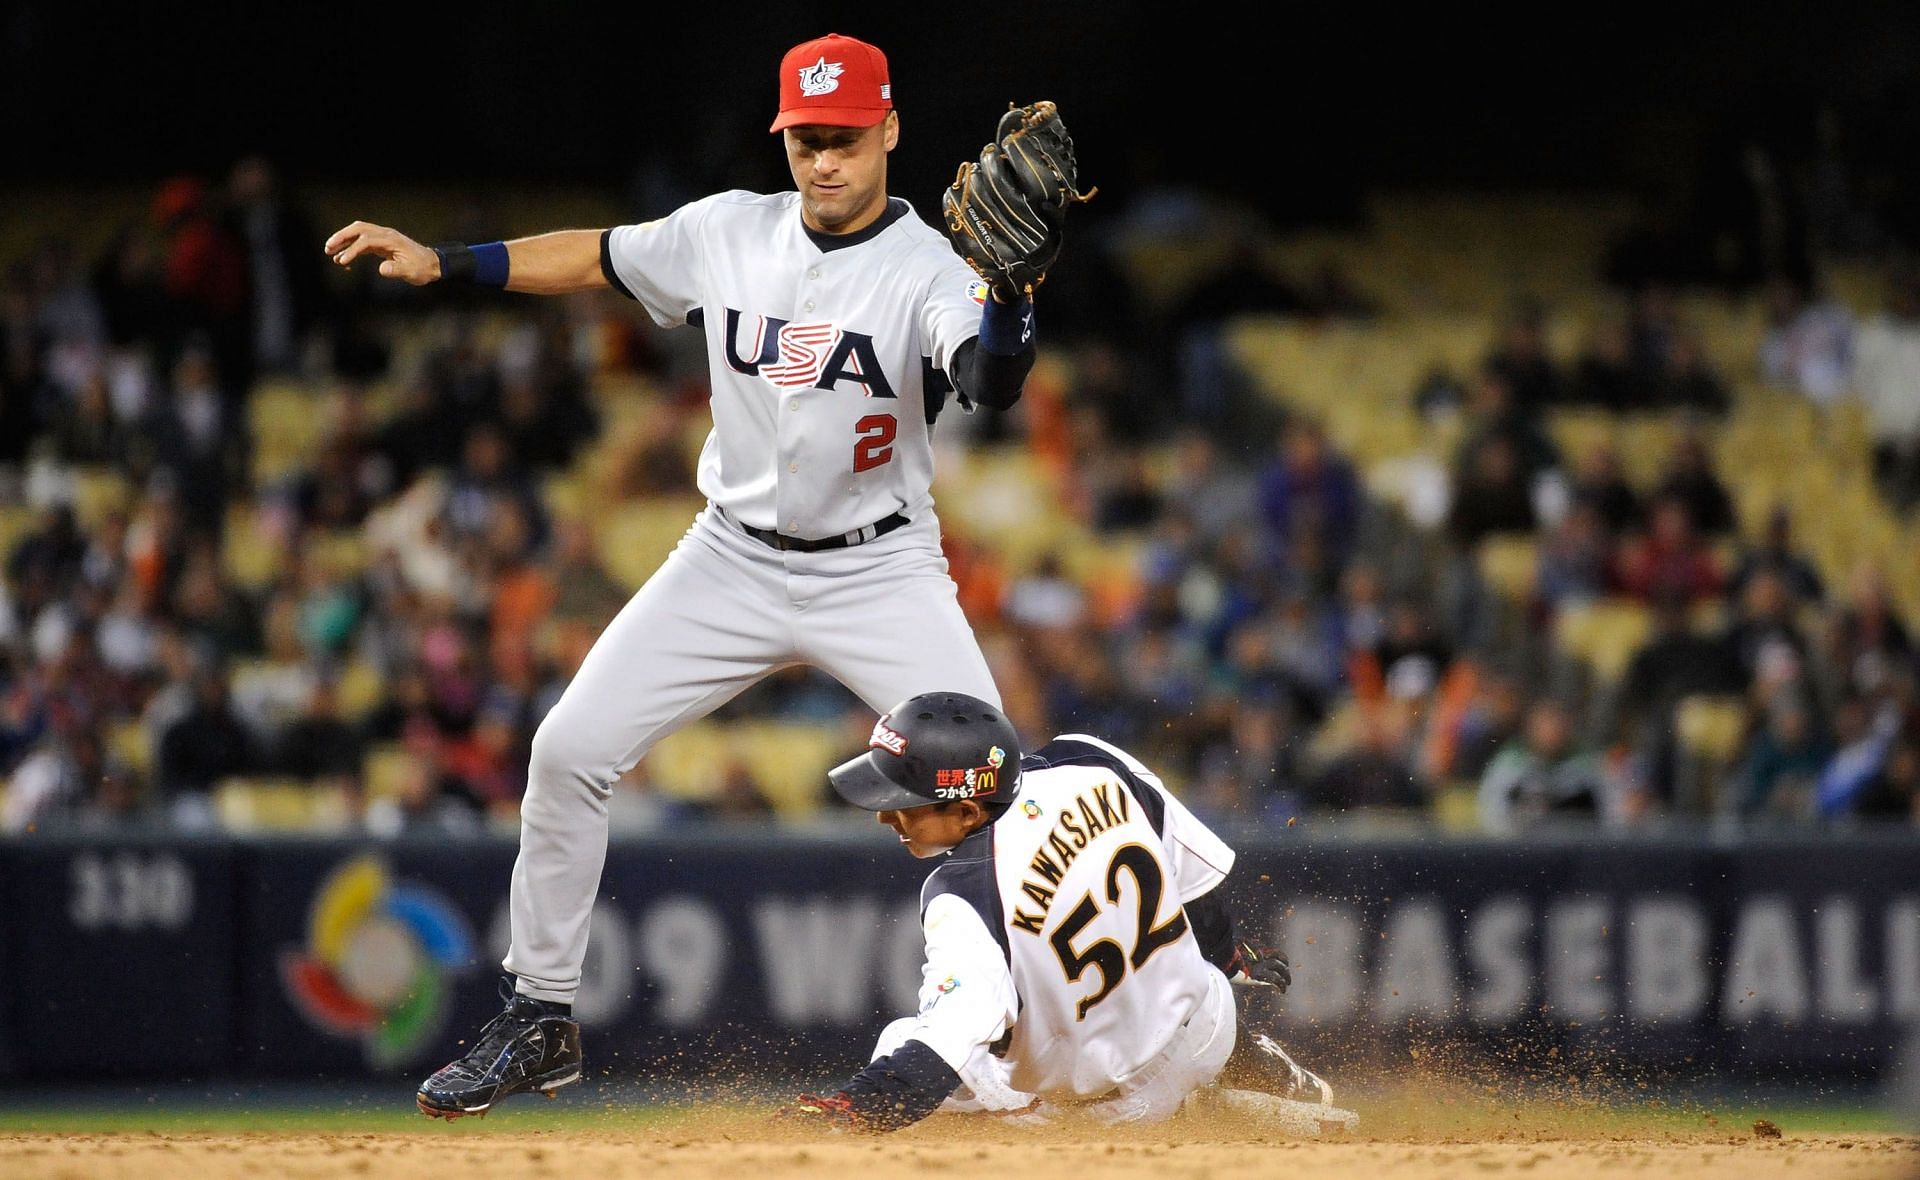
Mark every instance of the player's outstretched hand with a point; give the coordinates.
(1261, 966)
(400, 256)
(826, 1112)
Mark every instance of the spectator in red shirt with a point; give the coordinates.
(1670, 557)
(204, 272)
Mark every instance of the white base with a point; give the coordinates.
(1307, 1119)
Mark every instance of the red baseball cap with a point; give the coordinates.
(834, 81)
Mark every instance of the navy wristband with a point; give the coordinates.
(485, 264)
(1006, 329)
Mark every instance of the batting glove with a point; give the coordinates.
(832, 1112)
(1260, 966)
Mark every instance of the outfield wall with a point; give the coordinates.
(745, 949)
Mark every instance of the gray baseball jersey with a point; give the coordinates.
(820, 358)
(824, 352)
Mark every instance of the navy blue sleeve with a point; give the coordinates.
(989, 379)
(606, 266)
(902, 1088)
(1212, 928)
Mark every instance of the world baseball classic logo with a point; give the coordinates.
(378, 960)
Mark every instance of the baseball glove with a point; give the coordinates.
(1005, 210)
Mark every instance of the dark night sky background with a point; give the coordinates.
(1290, 107)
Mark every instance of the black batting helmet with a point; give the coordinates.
(933, 748)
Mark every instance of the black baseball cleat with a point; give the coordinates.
(524, 1048)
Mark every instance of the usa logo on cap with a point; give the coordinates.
(833, 81)
(822, 77)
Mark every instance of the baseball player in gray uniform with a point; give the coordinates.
(837, 322)
(1080, 956)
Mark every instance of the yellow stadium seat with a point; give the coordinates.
(1709, 615)
(278, 805)
(1712, 725)
(691, 763)
(98, 492)
(249, 555)
(359, 689)
(1579, 433)
(1603, 634)
(287, 426)
(1005, 496)
(1712, 730)
(1646, 442)
(566, 494)
(390, 770)
(1338, 733)
(342, 552)
(634, 537)
(1108, 568)
(1508, 564)
(1456, 807)
(131, 743)
(789, 760)
(16, 521)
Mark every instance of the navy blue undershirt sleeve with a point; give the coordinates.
(902, 1088)
(1006, 328)
(1212, 928)
(606, 264)
(990, 379)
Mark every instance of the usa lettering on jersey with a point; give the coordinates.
(871, 326)
(806, 356)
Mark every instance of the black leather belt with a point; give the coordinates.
(781, 541)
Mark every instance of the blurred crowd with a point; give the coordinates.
(1292, 649)
(1284, 646)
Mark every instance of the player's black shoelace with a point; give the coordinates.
(499, 1033)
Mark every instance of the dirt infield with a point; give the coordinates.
(946, 1150)
(602, 1157)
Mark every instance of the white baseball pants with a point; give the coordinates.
(1154, 1092)
(723, 611)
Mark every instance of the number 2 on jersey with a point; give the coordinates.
(874, 444)
(1105, 954)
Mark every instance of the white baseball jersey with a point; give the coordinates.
(1060, 929)
(821, 350)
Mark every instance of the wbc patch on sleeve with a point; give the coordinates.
(886, 738)
(977, 291)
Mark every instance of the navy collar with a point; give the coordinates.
(895, 210)
(977, 845)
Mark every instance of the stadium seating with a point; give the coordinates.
(99, 492)
(634, 537)
(1604, 635)
(130, 741)
(1005, 496)
(1508, 563)
(789, 760)
(358, 689)
(389, 769)
(1443, 271)
(692, 763)
(277, 805)
(286, 427)
(1711, 730)
(16, 521)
